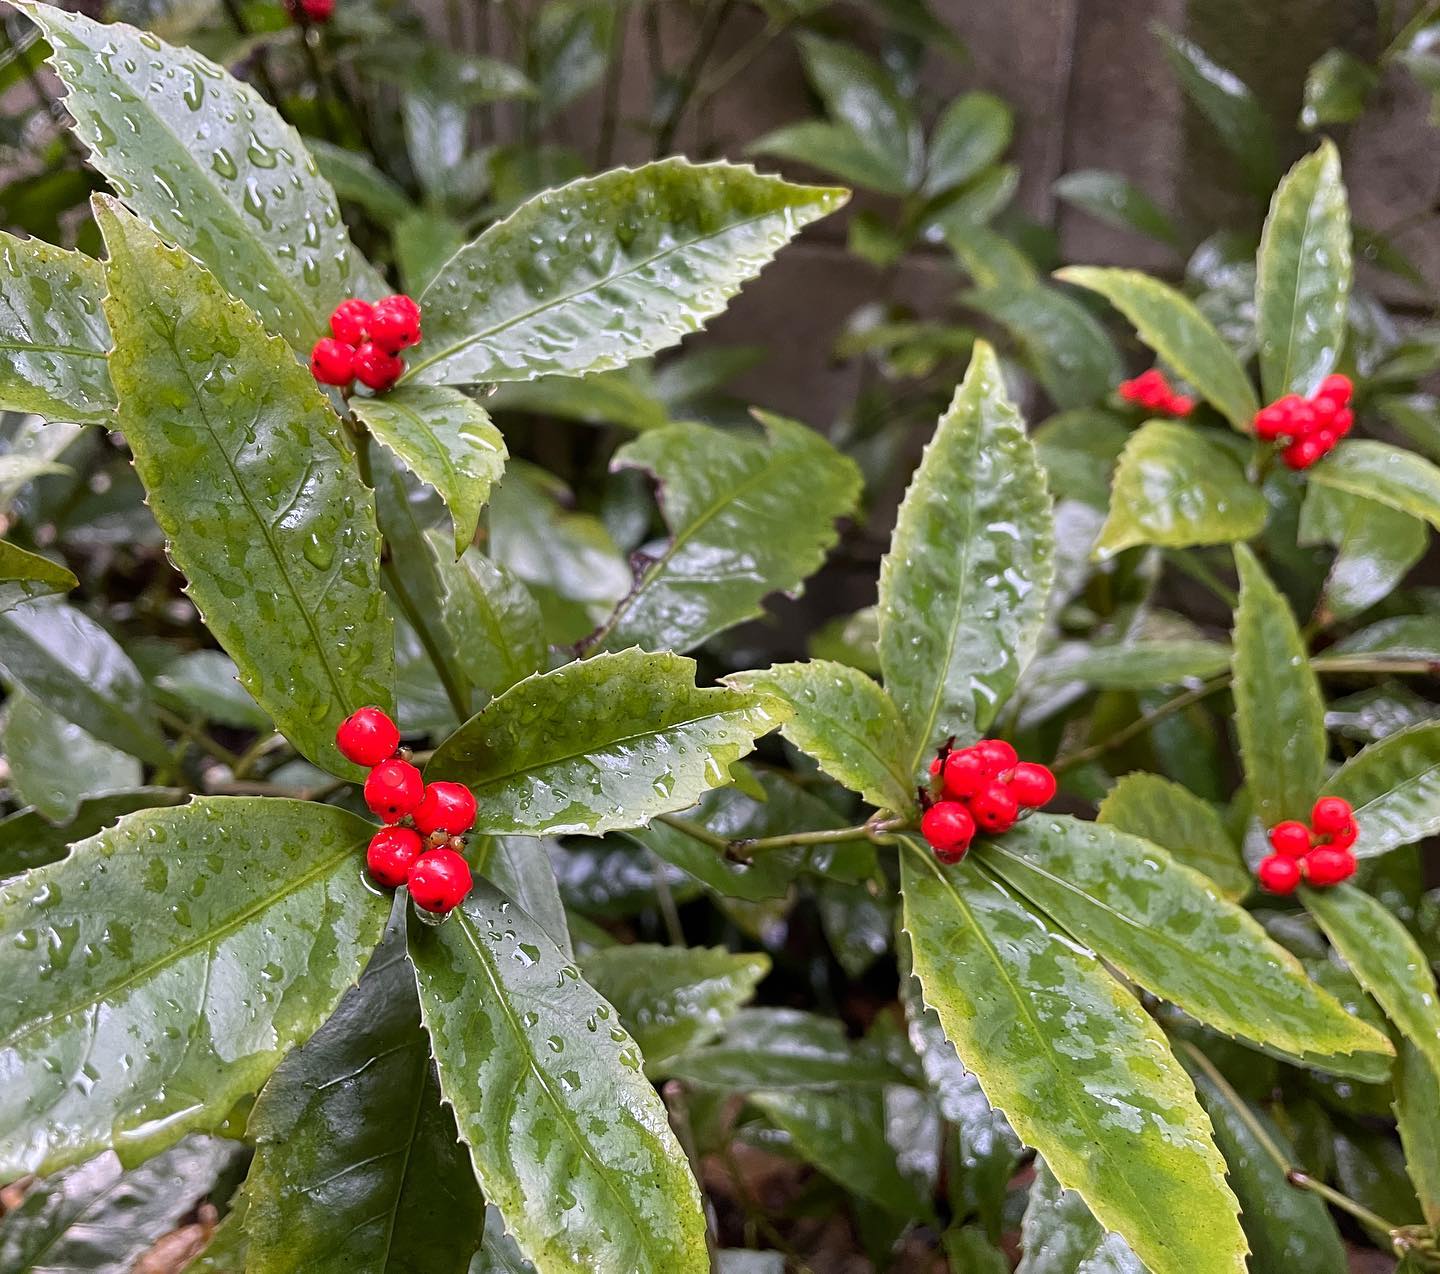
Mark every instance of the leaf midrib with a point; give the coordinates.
(1294, 312)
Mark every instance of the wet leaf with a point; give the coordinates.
(964, 585)
(1060, 1235)
(1078, 450)
(24, 576)
(520, 867)
(1399, 637)
(1394, 787)
(1134, 665)
(54, 764)
(207, 682)
(606, 270)
(446, 440)
(356, 180)
(53, 336)
(126, 1033)
(1080, 1070)
(1417, 1111)
(1385, 474)
(1168, 322)
(1336, 89)
(568, 1139)
(971, 133)
(255, 488)
(1303, 284)
(29, 839)
(1110, 198)
(1375, 546)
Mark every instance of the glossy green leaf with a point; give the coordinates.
(1060, 1235)
(54, 764)
(446, 440)
(602, 744)
(26, 576)
(836, 150)
(255, 488)
(520, 867)
(207, 682)
(1303, 283)
(846, 722)
(162, 970)
(1173, 817)
(1078, 450)
(494, 623)
(1135, 665)
(971, 133)
(1375, 546)
(1417, 1112)
(1168, 322)
(1399, 637)
(29, 839)
(672, 999)
(1336, 89)
(69, 663)
(356, 180)
(606, 270)
(1279, 711)
(964, 586)
(747, 517)
(358, 1165)
(1080, 1070)
(1164, 926)
(53, 337)
(1394, 787)
(1176, 488)
(568, 1139)
(1385, 474)
(620, 397)
(1110, 198)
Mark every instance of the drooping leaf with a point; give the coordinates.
(1417, 1112)
(747, 517)
(1110, 198)
(971, 133)
(1176, 488)
(162, 970)
(568, 1139)
(1375, 546)
(1060, 1235)
(28, 839)
(1165, 928)
(1303, 282)
(358, 1165)
(1063, 1050)
(53, 337)
(212, 166)
(1168, 322)
(446, 440)
(1394, 787)
(1279, 711)
(1388, 475)
(846, 722)
(606, 270)
(255, 488)
(54, 764)
(24, 576)
(964, 585)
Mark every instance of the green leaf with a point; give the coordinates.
(255, 488)
(1078, 450)
(226, 1251)
(54, 764)
(836, 150)
(29, 839)
(964, 585)
(1408, 637)
(1336, 89)
(603, 744)
(162, 970)
(1417, 1111)
(1168, 322)
(27, 576)
(423, 242)
(604, 398)
(1279, 711)
(446, 440)
(1388, 475)
(520, 867)
(1375, 546)
(207, 682)
(69, 663)
(1303, 283)
(1176, 488)
(971, 133)
(846, 722)
(1062, 1050)
(211, 166)
(1060, 1235)
(747, 517)
(672, 999)
(356, 180)
(606, 270)
(568, 1139)
(494, 624)
(1134, 665)
(1110, 198)
(53, 337)
(358, 1166)
(1173, 817)
(1394, 787)
(1164, 927)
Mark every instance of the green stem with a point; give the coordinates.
(250, 757)
(715, 14)
(743, 847)
(1141, 724)
(1198, 569)
(190, 731)
(1423, 17)
(1359, 664)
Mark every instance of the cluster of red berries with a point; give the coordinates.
(1153, 392)
(1318, 854)
(984, 786)
(1309, 427)
(366, 343)
(424, 855)
(310, 10)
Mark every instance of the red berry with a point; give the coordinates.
(1279, 875)
(439, 880)
(1269, 423)
(445, 807)
(1327, 865)
(318, 10)
(1181, 405)
(996, 755)
(1344, 838)
(936, 766)
(1302, 453)
(1325, 439)
(995, 807)
(1337, 388)
(1290, 839)
(332, 362)
(396, 324)
(1331, 814)
(391, 852)
(1129, 390)
(367, 737)
(1343, 422)
(949, 829)
(965, 772)
(375, 369)
(393, 790)
(350, 321)
(1032, 785)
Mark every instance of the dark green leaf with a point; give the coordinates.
(1375, 546)
(1060, 1235)
(225, 1253)
(1078, 450)
(162, 970)
(971, 133)
(255, 488)
(1135, 665)
(1336, 89)
(356, 180)
(1417, 1111)
(1394, 787)
(494, 623)
(621, 397)
(568, 1139)
(28, 839)
(54, 764)
(1110, 198)
(424, 241)
(1370, 1168)
(27, 576)
(207, 682)
(1385, 474)
(835, 150)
